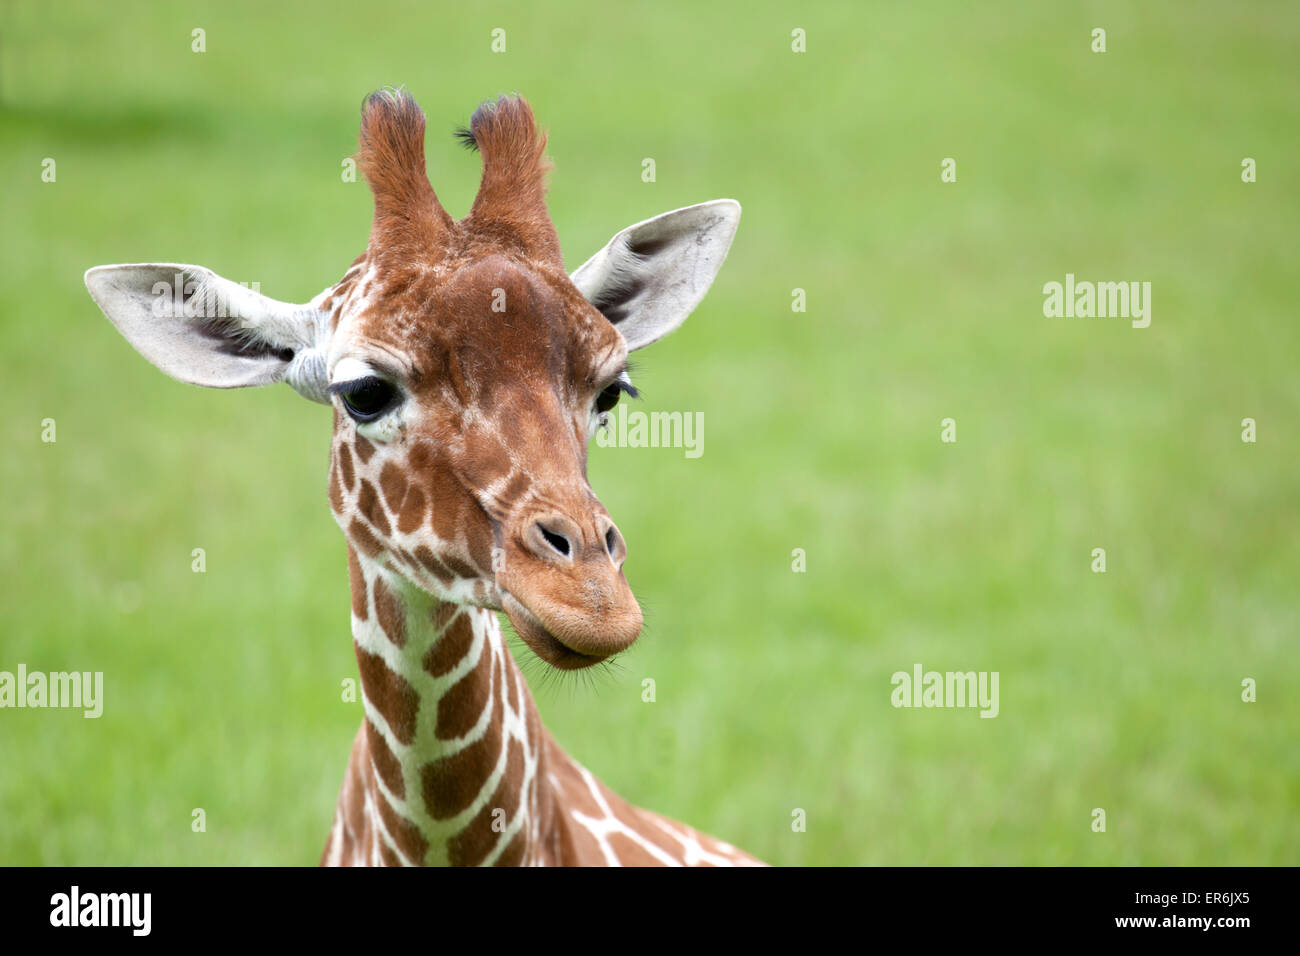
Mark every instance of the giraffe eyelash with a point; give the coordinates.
(368, 398)
(608, 396)
(627, 388)
(622, 382)
(342, 388)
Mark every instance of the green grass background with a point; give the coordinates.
(822, 429)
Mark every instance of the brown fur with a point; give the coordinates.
(391, 157)
(511, 204)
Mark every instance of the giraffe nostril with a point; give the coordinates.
(553, 537)
(557, 541)
(615, 546)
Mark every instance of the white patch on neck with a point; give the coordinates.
(427, 746)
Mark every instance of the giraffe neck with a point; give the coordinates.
(450, 763)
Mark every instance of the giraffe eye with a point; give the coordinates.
(366, 398)
(608, 398)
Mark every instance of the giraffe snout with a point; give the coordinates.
(564, 588)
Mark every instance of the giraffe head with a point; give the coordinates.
(466, 369)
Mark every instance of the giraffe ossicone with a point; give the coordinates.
(467, 372)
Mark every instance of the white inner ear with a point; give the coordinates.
(200, 328)
(652, 275)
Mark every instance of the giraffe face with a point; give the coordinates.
(467, 372)
(465, 396)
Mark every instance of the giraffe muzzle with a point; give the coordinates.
(564, 591)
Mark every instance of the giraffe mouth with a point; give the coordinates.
(541, 641)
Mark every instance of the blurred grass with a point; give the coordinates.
(1119, 691)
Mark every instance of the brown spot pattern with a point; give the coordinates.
(370, 507)
(357, 581)
(363, 449)
(436, 567)
(462, 705)
(385, 761)
(336, 493)
(414, 511)
(393, 485)
(390, 612)
(472, 844)
(518, 484)
(480, 552)
(452, 783)
(405, 834)
(448, 650)
(390, 694)
(345, 467)
(513, 855)
(360, 536)
(459, 567)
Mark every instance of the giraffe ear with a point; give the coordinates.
(650, 276)
(205, 330)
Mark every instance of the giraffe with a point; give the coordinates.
(467, 372)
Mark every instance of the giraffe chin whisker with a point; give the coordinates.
(541, 641)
